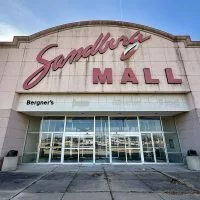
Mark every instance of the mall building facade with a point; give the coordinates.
(100, 92)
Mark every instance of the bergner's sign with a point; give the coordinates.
(101, 45)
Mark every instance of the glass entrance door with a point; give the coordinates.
(125, 148)
(102, 150)
(78, 148)
(103, 139)
(133, 149)
(153, 147)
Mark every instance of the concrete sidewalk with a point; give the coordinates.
(100, 182)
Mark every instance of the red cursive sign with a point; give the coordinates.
(101, 45)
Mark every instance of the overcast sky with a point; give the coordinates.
(25, 17)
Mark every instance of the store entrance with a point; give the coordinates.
(102, 140)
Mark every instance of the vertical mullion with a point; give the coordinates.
(165, 146)
(40, 135)
(63, 141)
(125, 148)
(50, 150)
(140, 140)
(109, 137)
(155, 159)
(94, 139)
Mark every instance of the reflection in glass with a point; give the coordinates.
(86, 155)
(45, 126)
(148, 156)
(121, 142)
(159, 147)
(53, 124)
(172, 142)
(173, 148)
(150, 124)
(45, 140)
(44, 155)
(132, 142)
(71, 155)
(68, 142)
(147, 142)
(57, 140)
(158, 140)
(118, 149)
(147, 147)
(56, 154)
(133, 155)
(101, 140)
(123, 124)
(80, 124)
(56, 125)
(86, 142)
(160, 154)
(71, 142)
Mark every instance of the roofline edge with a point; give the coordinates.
(179, 38)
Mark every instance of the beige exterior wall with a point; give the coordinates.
(17, 62)
(156, 53)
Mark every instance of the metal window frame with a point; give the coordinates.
(138, 134)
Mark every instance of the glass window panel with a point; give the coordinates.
(45, 125)
(118, 155)
(56, 125)
(148, 156)
(32, 140)
(121, 142)
(86, 155)
(158, 140)
(45, 140)
(118, 149)
(86, 142)
(53, 124)
(101, 140)
(101, 124)
(71, 142)
(175, 157)
(71, 155)
(75, 142)
(114, 141)
(146, 141)
(132, 142)
(68, 142)
(56, 154)
(123, 124)
(160, 155)
(172, 142)
(168, 124)
(150, 124)
(60, 125)
(80, 124)
(57, 140)
(133, 155)
(44, 155)
(147, 148)
(29, 157)
(34, 124)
